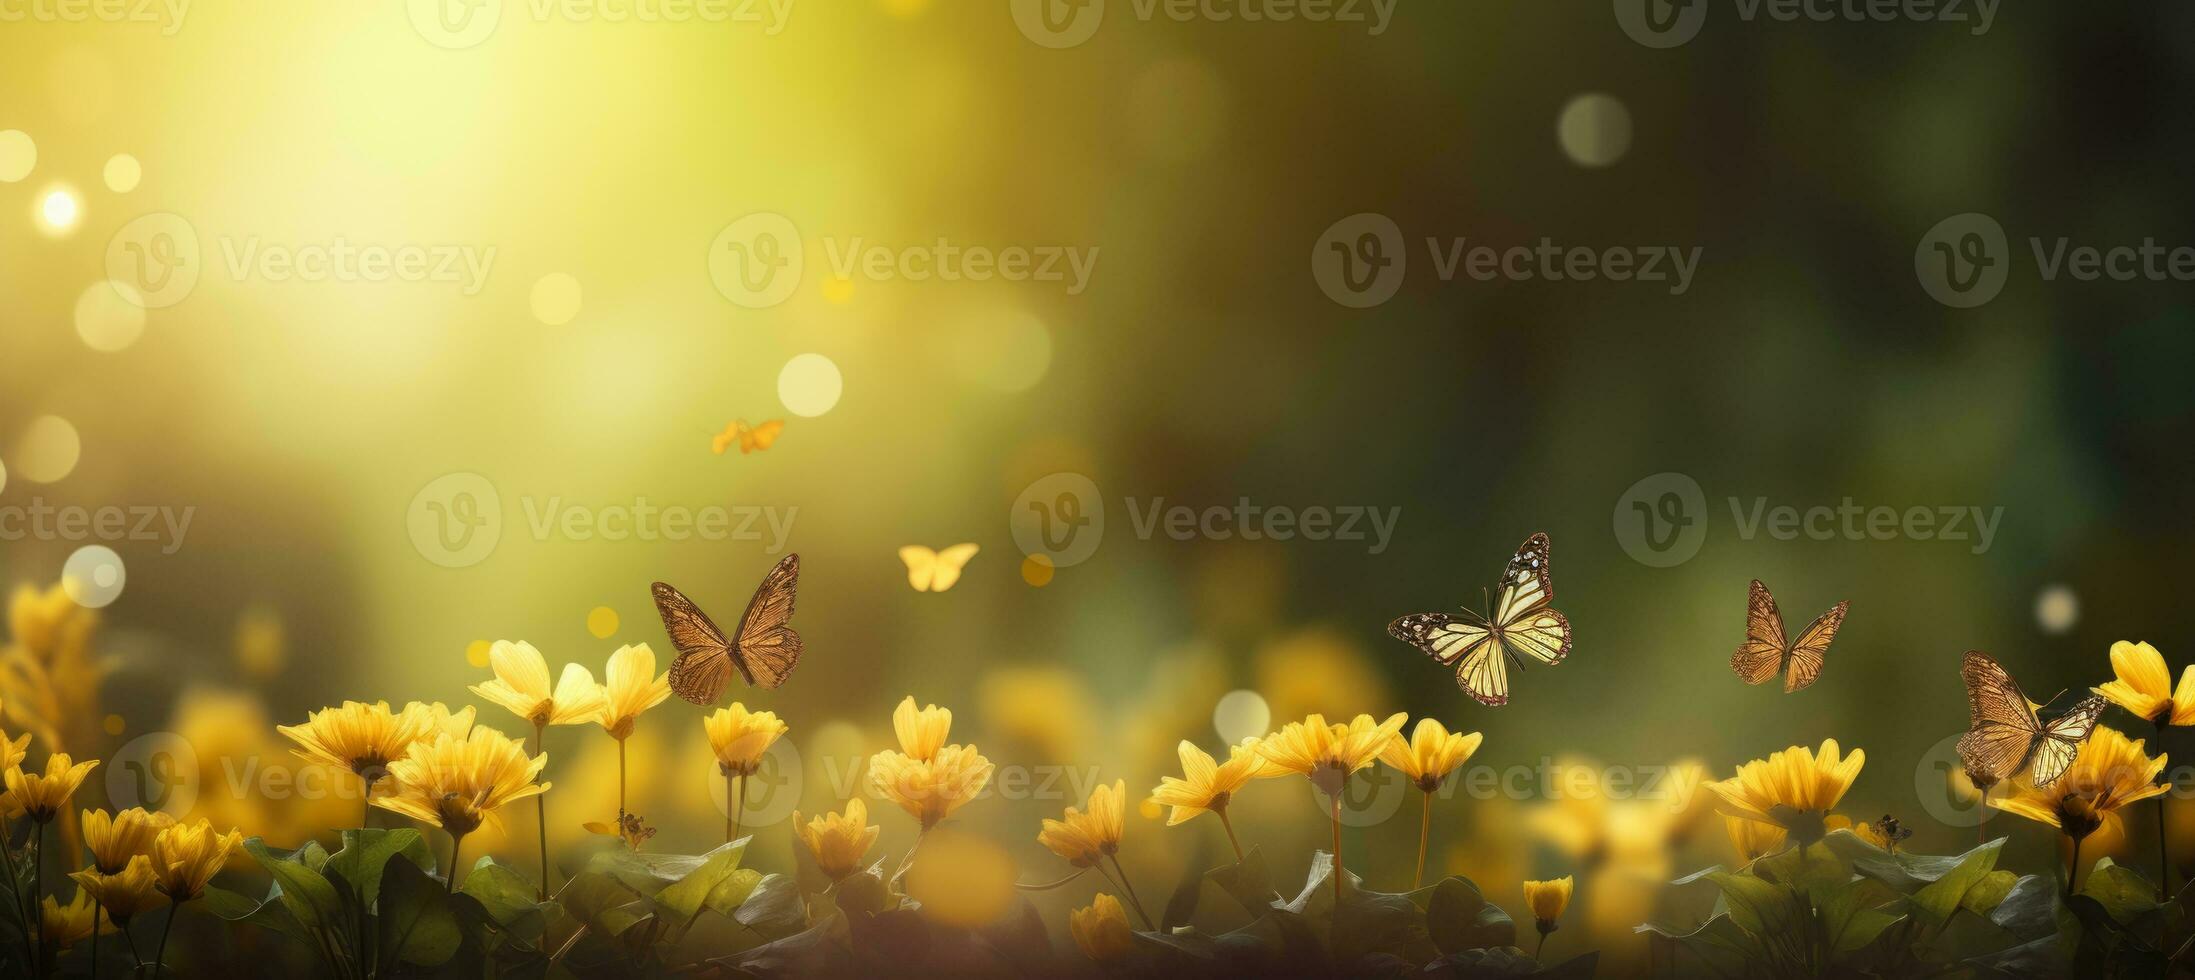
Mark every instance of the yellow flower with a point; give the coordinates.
(114, 840)
(1430, 754)
(363, 738)
(1328, 753)
(455, 784)
(48, 672)
(1101, 929)
(630, 686)
(1752, 839)
(2109, 773)
(1206, 786)
(1864, 831)
(44, 795)
(1547, 900)
(13, 750)
(838, 842)
(187, 856)
(1085, 837)
(124, 895)
(931, 790)
(437, 719)
(1797, 778)
(921, 732)
(521, 684)
(61, 926)
(740, 737)
(2144, 685)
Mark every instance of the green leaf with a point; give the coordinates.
(308, 896)
(773, 907)
(1936, 901)
(1247, 881)
(1989, 892)
(1813, 869)
(365, 852)
(1685, 906)
(1848, 916)
(1904, 873)
(1761, 908)
(683, 899)
(2029, 911)
(266, 915)
(2123, 893)
(417, 924)
(648, 873)
(1458, 918)
(508, 898)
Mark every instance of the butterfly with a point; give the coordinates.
(764, 648)
(2006, 738)
(750, 438)
(935, 571)
(1765, 652)
(1480, 647)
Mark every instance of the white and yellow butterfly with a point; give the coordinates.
(935, 571)
(1480, 647)
(2005, 737)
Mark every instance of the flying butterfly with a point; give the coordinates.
(749, 438)
(935, 571)
(764, 649)
(1481, 647)
(2006, 738)
(1765, 652)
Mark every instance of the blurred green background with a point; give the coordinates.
(1203, 160)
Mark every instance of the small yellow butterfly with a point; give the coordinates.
(935, 571)
(750, 438)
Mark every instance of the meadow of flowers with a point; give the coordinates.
(1806, 891)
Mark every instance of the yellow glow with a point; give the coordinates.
(48, 451)
(602, 622)
(1037, 570)
(123, 172)
(58, 211)
(556, 299)
(18, 155)
(476, 653)
(1595, 130)
(809, 385)
(109, 316)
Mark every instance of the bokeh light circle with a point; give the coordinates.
(2057, 609)
(556, 299)
(602, 622)
(58, 210)
(1594, 130)
(1037, 570)
(809, 385)
(476, 653)
(48, 450)
(961, 880)
(94, 576)
(110, 316)
(1241, 714)
(122, 173)
(18, 155)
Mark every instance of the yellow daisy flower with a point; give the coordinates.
(44, 795)
(1547, 900)
(741, 737)
(930, 790)
(114, 840)
(363, 738)
(1207, 786)
(521, 685)
(126, 894)
(838, 841)
(630, 686)
(1796, 778)
(1752, 839)
(2110, 773)
(1431, 753)
(1084, 838)
(456, 784)
(1101, 929)
(187, 856)
(1328, 753)
(61, 926)
(2144, 685)
(922, 732)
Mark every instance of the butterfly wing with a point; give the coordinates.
(2062, 740)
(1484, 672)
(768, 649)
(760, 437)
(1544, 636)
(1443, 637)
(1804, 663)
(949, 563)
(921, 566)
(704, 661)
(1527, 584)
(2003, 729)
(1761, 655)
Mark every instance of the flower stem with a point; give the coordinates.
(160, 955)
(2073, 867)
(621, 786)
(541, 815)
(38, 888)
(1536, 950)
(1224, 822)
(365, 803)
(1337, 849)
(733, 812)
(97, 910)
(2164, 863)
(1131, 890)
(1425, 833)
(450, 885)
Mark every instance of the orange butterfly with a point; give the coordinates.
(1765, 652)
(750, 438)
(764, 647)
